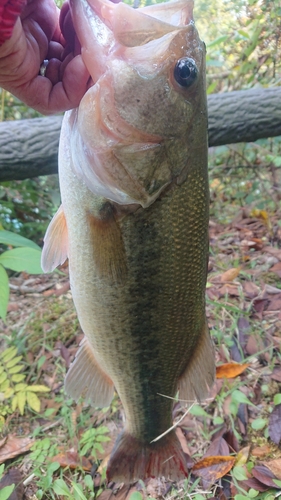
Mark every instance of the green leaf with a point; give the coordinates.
(136, 496)
(277, 399)
(258, 424)
(240, 397)
(20, 387)
(15, 369)
(277, 482)
(4, 292)
(33, 401)
(239, 473)
(22, 259)
(38, 388)
(61, 488)
(18, 377)
(6, 492)
(13, 362)
(21, 401)
(15, 240)
(9, 354)
(77, 489)
(218, 41)
(198, 411)
(3, 377)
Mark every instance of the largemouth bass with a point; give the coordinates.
(134, 225)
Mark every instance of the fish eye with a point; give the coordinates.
(185, 72)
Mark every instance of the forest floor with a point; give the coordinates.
(55, 448)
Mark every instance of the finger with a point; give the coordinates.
(53, 71)
(55, 51)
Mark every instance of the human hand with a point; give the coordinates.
(43, 33)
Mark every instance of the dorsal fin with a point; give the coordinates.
(55, 243)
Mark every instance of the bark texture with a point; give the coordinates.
(29, 148)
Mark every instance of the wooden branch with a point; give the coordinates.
(29, 148)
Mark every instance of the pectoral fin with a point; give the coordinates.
(86, 378)
(108, 246)
(198, 378)
(55, 243)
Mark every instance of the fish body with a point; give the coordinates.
(134, 225)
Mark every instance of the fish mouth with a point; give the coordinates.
(105, 26)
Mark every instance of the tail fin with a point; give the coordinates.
(133, 459)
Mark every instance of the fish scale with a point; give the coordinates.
(134, 226)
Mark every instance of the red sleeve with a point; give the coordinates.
(9, 11)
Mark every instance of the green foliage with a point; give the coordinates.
(26, 258)
(92, 439)
(7, 490)
(15, 393)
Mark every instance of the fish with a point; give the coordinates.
(133, 224)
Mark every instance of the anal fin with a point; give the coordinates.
(108, 246)
(55, 243)
(86, 378)
(198, 378)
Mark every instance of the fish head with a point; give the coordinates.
(140, 121)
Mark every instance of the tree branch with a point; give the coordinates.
(29, 148)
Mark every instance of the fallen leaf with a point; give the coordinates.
(231, 440)
(274, 426)
(210, 469)
(264, 475)
(276, 374)
(13, 476)
(229, 289)
(230, 370)
(242, 456)
(275, 467)
(276, 269)
(254, 345)
(106, 495)
(275, 304)
(14, 446)
(72, 460)
(182, 440)
(230, 274)
(250, 289)
(218, 447)
(261, 451)
(276, 252)
(253, 483)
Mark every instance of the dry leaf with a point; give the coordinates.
(253, 483)
(275, 467)
(230, 274)
(13, 476)
(14, 446)
(243, 455)
(250, 289)
(274, 426)
(182, 440)
(276, 252)
(261, 451)
(218, 447)
(210, 469)
(72, 460)
(276, 269)
(276, 374)
(230, 370)
(264, 475)
(228, 289)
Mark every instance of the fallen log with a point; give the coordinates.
(29, 148)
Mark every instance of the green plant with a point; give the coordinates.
(92, 439)
(14, 392)
(7, 490)
(26, 257)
